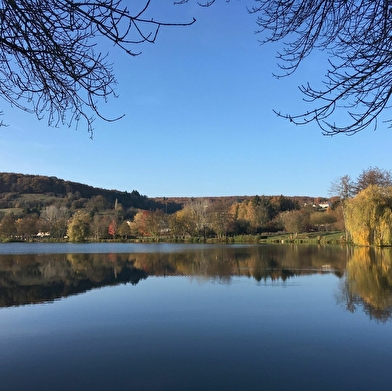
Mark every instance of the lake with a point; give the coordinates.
(194, 317)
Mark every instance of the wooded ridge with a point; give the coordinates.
(21, 190)
(37, 207)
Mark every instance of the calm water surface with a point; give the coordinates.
(202, 317)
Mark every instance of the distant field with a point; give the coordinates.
(21, 202)
(15, 211)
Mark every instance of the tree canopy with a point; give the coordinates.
(50, 63)
(369, 216)
(346, 188)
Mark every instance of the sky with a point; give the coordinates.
(199, 119)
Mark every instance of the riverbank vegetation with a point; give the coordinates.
(49, 209)
(36, 208)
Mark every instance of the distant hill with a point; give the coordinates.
(24, 191)
(17, 187)
(302, 200)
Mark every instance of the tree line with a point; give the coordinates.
(200, 218)
(361, 207)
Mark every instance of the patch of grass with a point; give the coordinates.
(15, 211)
(37, 198)
(337, 237)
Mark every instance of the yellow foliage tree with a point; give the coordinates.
(182, 223)
(79, 227)
(252, 212)
(369, 216)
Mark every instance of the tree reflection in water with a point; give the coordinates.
(368, 283)
(365, 283)
(31, 279)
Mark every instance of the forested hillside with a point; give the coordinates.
(34, 207)
(15, 188)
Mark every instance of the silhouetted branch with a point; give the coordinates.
(49, 60)
(356, 35)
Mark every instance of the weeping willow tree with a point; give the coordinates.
(369, 217)
(79, 227)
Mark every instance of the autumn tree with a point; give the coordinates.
(241, 226)
(295, 221)
(27, 226)
(336, 211)
(79, 227)
(7, 226)
(139, 223)
(369, 216)
(112, 228)
(373, 176)
(54, 219)
(49, 58)
(322, 220)
(247, 212)
(346, 188)
(156, 223)
(181, 223)
(220, 218)
(124, 230)
(255, 213)
(282, 204)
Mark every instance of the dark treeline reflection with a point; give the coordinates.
(29, 279)
(37, 278)
(368, 283)
(365, 273)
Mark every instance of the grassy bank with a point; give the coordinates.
(302, 238)
(307, 238)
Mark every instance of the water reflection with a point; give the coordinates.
(365, 274)
(30, 279)
(36, 278)
(369, 283)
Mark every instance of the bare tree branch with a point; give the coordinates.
(50, 64)
(357, 36)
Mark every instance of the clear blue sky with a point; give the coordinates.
(199, 120)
